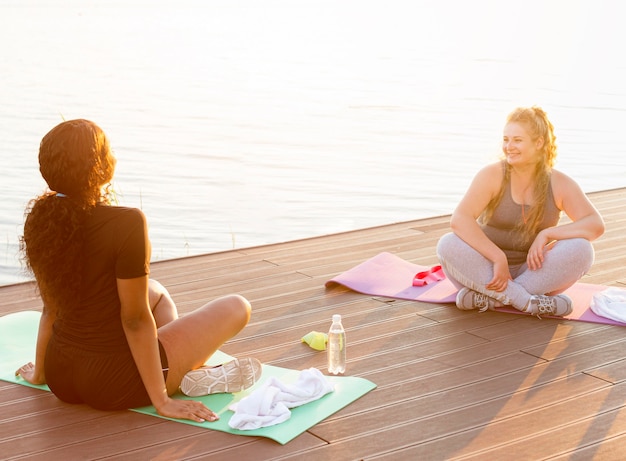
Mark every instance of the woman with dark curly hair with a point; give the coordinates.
(507, 246)
(109, 336)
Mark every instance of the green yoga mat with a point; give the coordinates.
(18, 335)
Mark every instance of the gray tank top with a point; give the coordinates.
(503, 226)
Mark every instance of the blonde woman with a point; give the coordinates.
(506, 246)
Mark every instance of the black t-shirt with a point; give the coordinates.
(116, 246)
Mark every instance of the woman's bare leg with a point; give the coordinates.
(162, 305)
(190, 340)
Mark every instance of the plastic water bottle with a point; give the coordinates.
(336, 347)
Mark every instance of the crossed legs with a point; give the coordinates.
(190, 340)
(564, 265)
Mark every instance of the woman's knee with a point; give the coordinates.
(238, 308)
(156, 291)
(446, 244)
(577, 251)
(583, 247)
(453, 251)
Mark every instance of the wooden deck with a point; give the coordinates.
(451, 384)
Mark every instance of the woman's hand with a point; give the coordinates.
(537, 251)
(186, 409)
(30, 373)
(501, 277)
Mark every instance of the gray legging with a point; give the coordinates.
(563, 266)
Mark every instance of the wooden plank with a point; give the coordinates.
(416, 426)
(450, 383)
(550, 425)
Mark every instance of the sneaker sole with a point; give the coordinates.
(565, 298)
(463, 292)
(570, 306)
(233, 376)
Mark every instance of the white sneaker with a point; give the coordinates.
(233, 376)
(559, 305)
(467, 299)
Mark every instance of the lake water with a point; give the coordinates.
(241, 123)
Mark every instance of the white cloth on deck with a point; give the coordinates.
(269, 404)
(610, 303)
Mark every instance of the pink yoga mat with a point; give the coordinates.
(389, 276)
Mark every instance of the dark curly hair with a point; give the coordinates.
(76, 161)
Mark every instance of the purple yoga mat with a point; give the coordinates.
(389, 276)
(392, 277)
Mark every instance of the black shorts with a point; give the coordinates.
(102, 381)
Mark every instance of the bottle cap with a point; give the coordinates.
(336, 318)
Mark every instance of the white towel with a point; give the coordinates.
(610, 303)
(269, 404)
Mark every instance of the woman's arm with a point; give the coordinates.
(484, 187)
(34, 373)
(586, 221)
(141, 333)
